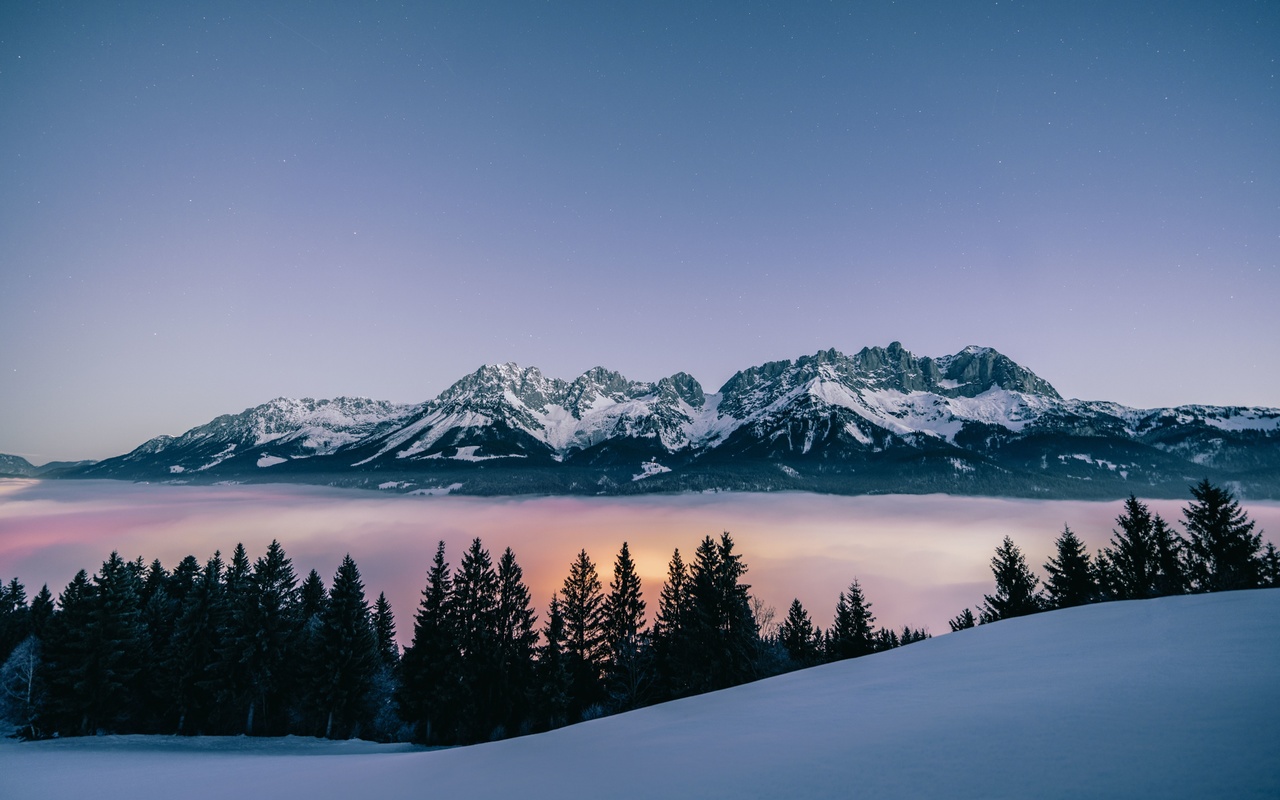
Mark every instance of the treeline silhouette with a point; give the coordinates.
(1145, 558)
(241, 647)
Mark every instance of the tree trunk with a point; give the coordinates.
(248, 725)
(328, 728)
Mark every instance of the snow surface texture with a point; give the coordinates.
(1170, 698)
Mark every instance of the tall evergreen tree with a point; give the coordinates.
(852, 633)
(115, 637)
(623, 611)
(517, 640)
(554, 682)
(673, 631)
(382, 695)
(230, 675)
(271, 618)
(190, 667)
(427, 695)
(1129, 566)
(800, 637)
(1015, 585)
(1270, 567)
(1224, 550)
(66, 655)
(585, 652)
(1169, 551)
(474, 606)
(349, 652)
(384, 631)
(41, 611)
(1072, 581)
(14, 622)
(724, 625)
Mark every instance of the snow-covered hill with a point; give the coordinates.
(1169, 698)
(879, 420)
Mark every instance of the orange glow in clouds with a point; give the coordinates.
(920, 559)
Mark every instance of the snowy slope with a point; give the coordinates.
(1170, 698)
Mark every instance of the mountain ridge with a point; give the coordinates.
(879, 420)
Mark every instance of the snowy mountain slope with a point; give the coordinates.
(879, 420)
(263, 436)
(1170, 698)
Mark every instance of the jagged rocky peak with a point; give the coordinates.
(683, 386)
(599, 382)
(976, 369)
(492, 381)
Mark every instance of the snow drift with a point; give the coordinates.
(1176, 697)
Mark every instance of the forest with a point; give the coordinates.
(234, 646)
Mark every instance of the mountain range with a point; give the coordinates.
(881, 420)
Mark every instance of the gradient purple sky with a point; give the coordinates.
(203, 207)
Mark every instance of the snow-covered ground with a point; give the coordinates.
(1171, 698)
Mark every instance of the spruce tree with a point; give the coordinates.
(190, 666)
(626, 673)
(851, 633)
(672, 631)
(41, 611)
(230, 675)
(584, 646)
(384, 631)
(1170, 555)
(962, 621)
(1270, 567)
(271, 618)
(474, 605)
(554, 682)
(1072, 581)
(349, 652)
(66, 655)
(1224, 550)
(429, 664)
(1129, 566)
(517, 640)
(14, 622)
(800, 637)
(1015, 585)
(382, 694)
(724, 630)
(115, 642)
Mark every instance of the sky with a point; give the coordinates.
(919, 563)
(203, 207)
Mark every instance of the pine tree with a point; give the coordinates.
(1224, 550)
(584, 646)
(307, 658)
(623, 611)
(962, 621)
(724, 630)
(115, 638)
(1170, 554)
(190, 681)
(384, 630)
(1015, 585)
(554, 681)
(230, 676)
(851, 634)
(41, 610)
(800, 637)
(1071, 575)
(672, 631)
(271, 618)
(1128, 565)
(66, 656)
(14, 622)
(349, 653)
(474, 606)
(427, 696)
(517, 640)
(1270, 567)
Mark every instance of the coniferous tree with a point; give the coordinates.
(308, 715)
(312, 597)
(555, 683)
(1128, 565)
(623, 613)
(66, 654)
(1015, 585)
(672, 631)
(427, 669)
(474, 605)
(1072, 581)
(193, 653)
(115, 640)
(1170, 557)
(41, 611)
(159, 617)
(1224, 550)
(230, 675)
(584, 645)
(271, 619)
(517, 641)
(350, 657)
(382, 695)
(962, 621)
(800, 637)
(14, 622)
(851, 633)
(724, 629)
(1270, 567)
(384, 631)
